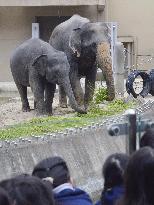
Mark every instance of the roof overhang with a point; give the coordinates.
(51, 2)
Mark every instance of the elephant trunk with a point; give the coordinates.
(105, 64)
(69, 92)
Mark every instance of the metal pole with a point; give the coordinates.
(113, 42)
(132, 129)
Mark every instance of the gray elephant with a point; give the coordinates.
(37, 64)
(86, 45)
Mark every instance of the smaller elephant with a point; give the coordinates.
(37, 64)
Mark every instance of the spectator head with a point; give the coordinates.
(139, 178)
(113, 170)
(4, 197)
(28, 190)
(147, 138)
(54, 167)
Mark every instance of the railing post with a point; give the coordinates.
(132, 129)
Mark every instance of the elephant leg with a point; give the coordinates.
(37, 87)
(78, 91)
(34, 104)
(23, 94)
(49, 95)
(62, 97)
(90, 86)
(105, 63)
(76, 85)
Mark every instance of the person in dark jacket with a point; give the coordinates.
(113, 170)
(4, 197)
(65, 192)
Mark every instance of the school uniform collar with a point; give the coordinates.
(62, 187)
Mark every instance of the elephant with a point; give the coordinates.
(37, 64)
(87, 45)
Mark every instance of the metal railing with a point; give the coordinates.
(131, 127)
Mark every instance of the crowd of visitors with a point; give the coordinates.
(128, 180)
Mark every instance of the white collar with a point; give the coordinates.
(62, 187)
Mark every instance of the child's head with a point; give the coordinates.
(147, 138)
(113, 170)
(54, 167)
(139, 178)
(28, 190)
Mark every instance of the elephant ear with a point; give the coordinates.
(75, 41)
(40, 63)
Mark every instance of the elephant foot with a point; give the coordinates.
(49, 111)
(50, 114)
(82, 110)
(62, 105)
(86, 107)
(26, 109)
(44, 112)
(110, 97)
(41, 113)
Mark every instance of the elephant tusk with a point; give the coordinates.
(74, 50)
(77, 54)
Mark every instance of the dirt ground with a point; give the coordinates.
(11, 113)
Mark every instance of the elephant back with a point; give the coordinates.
(59, 38)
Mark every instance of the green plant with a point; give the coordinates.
(100, 95)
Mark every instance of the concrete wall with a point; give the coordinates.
(135, 18)
(84, 150)
(50, 2)
(15, 27)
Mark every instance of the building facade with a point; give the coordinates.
(134, 19)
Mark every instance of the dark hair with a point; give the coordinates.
(113, 172)
(54, 167)
(139, 178)
(4, 197)
(113, 169)
(147, 138)
(29, 190)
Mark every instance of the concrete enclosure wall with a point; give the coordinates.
(84, 150)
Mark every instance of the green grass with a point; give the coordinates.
(38, 126)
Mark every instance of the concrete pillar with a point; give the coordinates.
(113, 42)
(35, 30)
(119, 59)
(100, 13)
